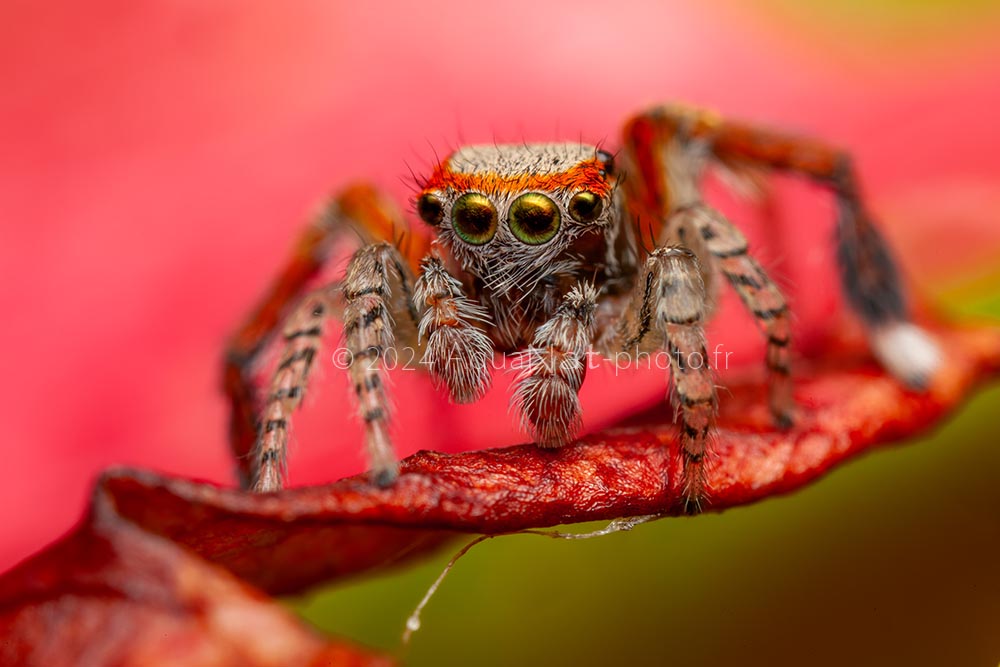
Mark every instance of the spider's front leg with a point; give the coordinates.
(553, 368)
(377, 300)
(378, 287)
(667, 312)
(357, 212)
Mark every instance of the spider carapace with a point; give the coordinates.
(549, 251)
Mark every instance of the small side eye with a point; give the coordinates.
(474, 218)
(430, 208)
(608, 159)
(534, 218)
(585, 206)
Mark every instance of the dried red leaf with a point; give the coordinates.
(124, 572)
(112, 593)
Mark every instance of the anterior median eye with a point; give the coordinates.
(474, 218)
(534, 218)
(585, 206)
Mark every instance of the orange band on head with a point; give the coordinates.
(587, 175)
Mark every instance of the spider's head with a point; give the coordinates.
(512, 214)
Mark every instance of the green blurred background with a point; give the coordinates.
(893, 558)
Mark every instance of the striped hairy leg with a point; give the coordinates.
(868, 273)
(356, 213)
(666, 313)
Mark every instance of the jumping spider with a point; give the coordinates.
(539, 250)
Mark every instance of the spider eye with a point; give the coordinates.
(585, 206)
(534, 218)
(430, 209)
(474, 218)
(608, 159)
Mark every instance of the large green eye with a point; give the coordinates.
(474, 218)
(534, 218)
(585, 206)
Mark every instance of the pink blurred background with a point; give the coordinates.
(158, 159)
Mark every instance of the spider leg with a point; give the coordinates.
(552, 370)
(698, 225)
(868, 272)
(760, 295)
(667, 311)
(303, 333)
(457, 352)
(369, 305)
(378, 296)
(358, 210)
